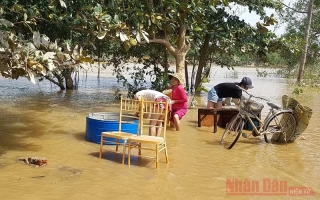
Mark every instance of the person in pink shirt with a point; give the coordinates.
(179, 100)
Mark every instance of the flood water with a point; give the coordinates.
(39, 121)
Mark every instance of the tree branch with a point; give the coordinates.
(52, 80)
(293, 8)
(166, 43)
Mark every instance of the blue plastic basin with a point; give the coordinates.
(106, 121)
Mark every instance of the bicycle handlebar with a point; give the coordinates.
(272, 105)
(251, 95)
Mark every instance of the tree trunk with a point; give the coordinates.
(61, 85)
(182, 49)
(192, 81)
(59, 82)
(202, 61)
(180, 59)
(186, 75)
(69, 81)
(99, 57)
(165, 61)
(305, 46)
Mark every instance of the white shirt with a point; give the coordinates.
(150, 95)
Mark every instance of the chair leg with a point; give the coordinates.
(129, 153)
(166, 152)
(101, 144)
(139, 145)
(124, 150)
(117, 145)
(157, 159)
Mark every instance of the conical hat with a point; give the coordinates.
(177, 76)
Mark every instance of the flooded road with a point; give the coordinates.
(39, 121)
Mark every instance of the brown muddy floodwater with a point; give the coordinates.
(39, 121)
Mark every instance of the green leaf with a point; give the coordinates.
(98, 9)
(27, 25)
(123, 36)
(6, 23)
(36, 38)
(138, 37)
(11, 45)
(101, 35)
(85, 59)
(197, 28)
(25, 16)
(263, 29)
(213, 9)
(133, 42)
(153, 19)
(127, 45)
(30, 76)
(216, 2)
(145, 36)
(116, 19)
(107, 18)
(63, 4)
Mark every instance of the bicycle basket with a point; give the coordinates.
(251, 106)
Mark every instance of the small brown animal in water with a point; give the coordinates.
(34, 161)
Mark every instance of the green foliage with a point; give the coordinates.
(38, 59)
(232, 74)
(261, 73)
(275, 59)
(140, 77)
(140, 70)
(293, 38)
(102, 26)
(297, 90)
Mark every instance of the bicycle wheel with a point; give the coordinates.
(280, 128)
(232, 132)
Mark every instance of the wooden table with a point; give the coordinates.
(203, 112)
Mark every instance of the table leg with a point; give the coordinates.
(214, 121)
(199, 119)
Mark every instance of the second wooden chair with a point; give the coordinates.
(153, 120)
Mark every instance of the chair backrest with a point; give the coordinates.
(128, 112)
(154, 114)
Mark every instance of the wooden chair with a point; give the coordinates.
(128, 117)
(153, 119)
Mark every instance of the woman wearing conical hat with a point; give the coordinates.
(179, 100)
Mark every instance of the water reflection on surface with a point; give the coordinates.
(38, 120)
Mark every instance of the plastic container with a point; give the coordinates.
(106, 121)
(249, 126)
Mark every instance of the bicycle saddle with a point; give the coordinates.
(274, 106)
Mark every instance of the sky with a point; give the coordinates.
(252, 18)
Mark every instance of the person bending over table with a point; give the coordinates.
(226, 90)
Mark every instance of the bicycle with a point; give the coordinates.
(278, 126)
